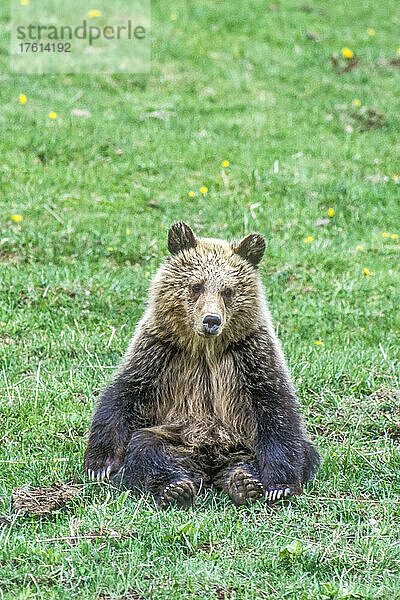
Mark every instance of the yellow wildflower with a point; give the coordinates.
(17, 218)
(53, 115)
(371, 31)
(356, 102)
(128, 232)
(94, 13)
(368, 272)
(24, 2)
(331, 212)
(396, 177)
(110, 249)
(319, 343)
(385, 234)
(191, 194)
(225, 163)
(204, 189)
(358, 247)
(308, 239)
(394, 236)
(398, 51)
(280, 220)
(397, 330)
(2, 324)
(347, 53)
(22, 99)
(162, 226)
(173, 17)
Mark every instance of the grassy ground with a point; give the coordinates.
(236, 81)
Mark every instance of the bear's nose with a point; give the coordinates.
(211, 323)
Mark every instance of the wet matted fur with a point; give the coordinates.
(203, 394)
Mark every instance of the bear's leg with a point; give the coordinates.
(154, 465)
(285, 464)
(241, 481)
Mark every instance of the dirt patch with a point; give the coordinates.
(313, 35)
(42, 501)
(222, 593)
(361, 119)
(392, 62)
(5, 340)
(104, 532)
(322, 222)
(383, 416)
(9, 257)
(161, 115)
(204, 547)
(394, 433)
(226, 593)
(130, 595)
(369, 118)
(342, 66)
(387, 394)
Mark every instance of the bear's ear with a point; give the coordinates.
(180, 237)
(251, 248)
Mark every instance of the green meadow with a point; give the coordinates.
(312, 139)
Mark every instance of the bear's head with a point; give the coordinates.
(208, 288)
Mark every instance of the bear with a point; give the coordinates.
(203, 395)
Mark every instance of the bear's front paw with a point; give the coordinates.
(244, 488)
(100, 475)
(100, 467)
(281, 492)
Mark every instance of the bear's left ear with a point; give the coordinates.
(180, 237)
(251, 248)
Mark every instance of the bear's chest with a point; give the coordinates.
(199, 386)
(203, 395)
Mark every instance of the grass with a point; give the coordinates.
(240, 82)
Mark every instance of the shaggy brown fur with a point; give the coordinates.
(203, 394)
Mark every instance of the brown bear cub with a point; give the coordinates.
(203, 395)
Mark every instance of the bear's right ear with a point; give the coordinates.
(180, 237)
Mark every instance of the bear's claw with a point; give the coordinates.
(99, 476)
(274, 495)
(244, 488)
(280, 493)
(180, 493)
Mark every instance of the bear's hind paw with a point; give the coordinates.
(244, 488)
(180, 493)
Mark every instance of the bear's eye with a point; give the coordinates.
(197, 288)
(227, 293)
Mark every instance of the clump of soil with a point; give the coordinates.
(363, 119)
(7, 256)
(43, 500)
(368, 118)
(130, 595)
(341, 66)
